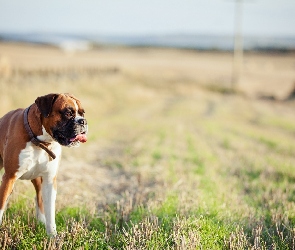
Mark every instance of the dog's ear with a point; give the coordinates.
(45, 103)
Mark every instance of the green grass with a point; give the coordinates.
(203, 171)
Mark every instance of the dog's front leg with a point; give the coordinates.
(5, 191)
(49, 196)
(40, 214)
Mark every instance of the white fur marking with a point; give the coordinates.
(77, 108)
(49, 196)
(33, 162)
(45, 136)
(40, 215)
(78, 117)
(1, 215)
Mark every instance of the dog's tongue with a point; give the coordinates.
(81, 138)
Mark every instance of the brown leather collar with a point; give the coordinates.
(33, 138)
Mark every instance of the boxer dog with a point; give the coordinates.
(30, 148)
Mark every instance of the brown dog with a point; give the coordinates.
(30, 148)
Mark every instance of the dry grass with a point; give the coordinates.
(169, 164)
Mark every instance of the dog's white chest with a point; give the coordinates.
(34, 161)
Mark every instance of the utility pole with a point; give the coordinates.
(238, 45)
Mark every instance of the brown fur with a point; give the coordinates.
(13, 137)
(37, 184)
(11, 143)
(61, 102)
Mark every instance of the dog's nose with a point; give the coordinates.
(82, 121)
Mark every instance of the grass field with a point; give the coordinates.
(171, 163)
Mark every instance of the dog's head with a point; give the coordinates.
(62, 116)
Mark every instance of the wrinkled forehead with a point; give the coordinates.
(67, 102)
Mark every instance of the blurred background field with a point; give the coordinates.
(188, 148)
(169, 146)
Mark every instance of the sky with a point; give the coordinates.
(147, 17)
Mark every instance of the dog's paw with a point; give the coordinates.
(51, 231)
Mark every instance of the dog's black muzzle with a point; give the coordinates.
(71, 133)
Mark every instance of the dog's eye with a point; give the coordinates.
(69, 114)
(81, 112)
